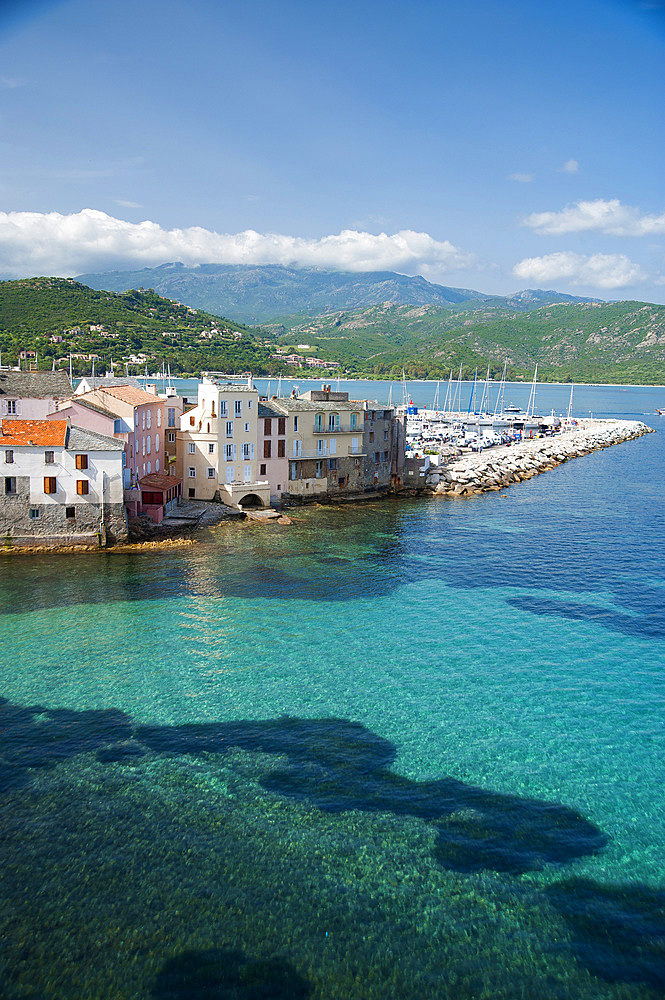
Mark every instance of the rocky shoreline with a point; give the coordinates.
(497, 468)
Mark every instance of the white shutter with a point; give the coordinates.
(333, 446)
(235, 452)
(19, 407)
(251, 452)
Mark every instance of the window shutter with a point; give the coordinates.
(333, 446)
(251, 451)
(235, 452)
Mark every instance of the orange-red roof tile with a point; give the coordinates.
(39, 433)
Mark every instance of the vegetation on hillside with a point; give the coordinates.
(54, 317)
(590, 342)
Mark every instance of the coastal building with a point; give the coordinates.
(59, 484)
(217, 444)
(90, 382)
(32, 395)
(272, 459)
(325, 447)
(383, 443)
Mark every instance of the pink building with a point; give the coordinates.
(272, 460)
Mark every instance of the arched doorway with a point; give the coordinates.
(250, 500)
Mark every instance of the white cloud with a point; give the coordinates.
(601, 216)
(521, 178)
(11, 82)
(570, 167)
(36, 243)
(127, 204)
(597, 270)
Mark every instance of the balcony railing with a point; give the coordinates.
(337, 429)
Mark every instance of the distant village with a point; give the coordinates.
(81, 465)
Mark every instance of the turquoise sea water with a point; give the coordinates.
(410, 749)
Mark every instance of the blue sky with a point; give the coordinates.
(489, 145)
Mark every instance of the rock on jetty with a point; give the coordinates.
(496, 468)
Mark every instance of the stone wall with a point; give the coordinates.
(52, 524)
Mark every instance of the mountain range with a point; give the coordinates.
(261, 293)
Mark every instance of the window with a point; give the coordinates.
(34, 513)
(281, 425)
(333, 421)
(281, 449)
(377, 458)
(49, 484)
(385, 456)
(170, 420)
(149, 467)
(211, 447)
(297, 449)
(332, 464)
(341, 481)
(246, 451)
(320, 446)
(238, 407)
(82, 487)
(11, 406)
(148, 418)
(371, 436)
(295, 423)
(49, 457)
(211, 473)
(223, 408)
(267, 426)
(81, 461)
(228, 452)
(192, 493)
(249, 404)
(192, 421)
(319, 470)
(156, 442)
(171, 437)
(318, 422)
(229, 428)
(70, 511)
(156, 465)
(143, 445)
(247, 427)
(159, 418)
(294, 471)
(9, 456)
(267, 449)
(354, 421)
(117, 426)
(143, 419)
(191, 472)
(149, 440)
(229, 474)
(262, 470)
(247, 473)
(10, 485)
(191, 448)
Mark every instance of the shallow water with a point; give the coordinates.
(411, 749)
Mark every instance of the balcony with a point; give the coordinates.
(337, 429)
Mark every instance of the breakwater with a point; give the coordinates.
(499, 468)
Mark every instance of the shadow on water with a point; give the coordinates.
(618, 931)
(333, 764)
(650, 625)
(228, 975)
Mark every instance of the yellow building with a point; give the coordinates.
(217, 443)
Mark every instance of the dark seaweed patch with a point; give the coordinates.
(651, 625)
(618, 931)
(228, 975)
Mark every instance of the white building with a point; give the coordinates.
(59, 483)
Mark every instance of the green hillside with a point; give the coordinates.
(590, 342)
(36, 312)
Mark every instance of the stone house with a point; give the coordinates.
(59, 484)
(383, 443)
(272, 443)
(325, 447)
(216, 446)
(32, 395)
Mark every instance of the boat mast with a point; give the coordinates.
(435, 404)
(502, 389)
(448, 401)
(486, 392)
(531, 407)
(570, 403)
(473, 389)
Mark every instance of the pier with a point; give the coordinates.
(500, 467)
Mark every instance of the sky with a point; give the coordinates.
(486, 144)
